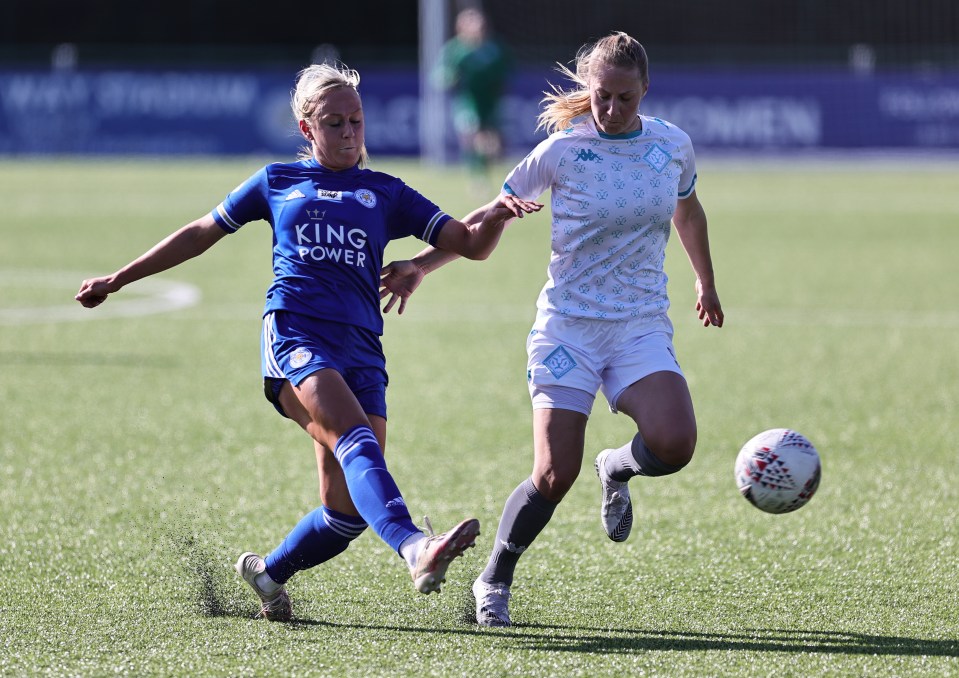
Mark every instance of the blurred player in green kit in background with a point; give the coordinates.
(474, 67)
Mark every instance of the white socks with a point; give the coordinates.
(411, 546)
(266, 584)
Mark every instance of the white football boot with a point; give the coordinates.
(275, 606)
(492, 604)
(438, 551)
(616, 510)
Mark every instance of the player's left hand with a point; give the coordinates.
(707, 305)
(516, 205)
(398, 280)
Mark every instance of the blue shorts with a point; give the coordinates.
(294, 346)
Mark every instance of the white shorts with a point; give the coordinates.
(594, 355)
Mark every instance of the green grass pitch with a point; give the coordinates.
(138, 457)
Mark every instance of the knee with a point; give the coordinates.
(675, 449)
(553, 482)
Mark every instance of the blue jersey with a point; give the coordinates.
(329, 233)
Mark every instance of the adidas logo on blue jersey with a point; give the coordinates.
(294, 195)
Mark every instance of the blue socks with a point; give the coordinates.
(325, 533)
(319, 536)
(374, 493)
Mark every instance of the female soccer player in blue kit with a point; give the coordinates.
(322, 360)
(617, 180)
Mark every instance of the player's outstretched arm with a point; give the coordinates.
(690, 222)
(186, 243)
(478, 234)
(474, 240)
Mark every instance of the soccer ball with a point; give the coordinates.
(778, 470)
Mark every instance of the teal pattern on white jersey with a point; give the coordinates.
(613, 198)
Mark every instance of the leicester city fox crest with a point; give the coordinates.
(300, 357)
(365, 197)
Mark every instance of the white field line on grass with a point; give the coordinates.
(145, 297)
(154, 295)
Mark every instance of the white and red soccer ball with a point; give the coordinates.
(778, 470)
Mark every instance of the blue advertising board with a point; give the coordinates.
(799, 109)
(247, 112)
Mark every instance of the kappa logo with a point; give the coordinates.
(295, 194)
(512, 548)
(587, 155)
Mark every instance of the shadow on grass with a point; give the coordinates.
(212, 596)
(625, 641)
(552, 638)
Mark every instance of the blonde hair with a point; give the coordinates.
(312, 84)
(562, 105)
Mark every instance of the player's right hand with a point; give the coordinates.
(94, 291)
(398, 280)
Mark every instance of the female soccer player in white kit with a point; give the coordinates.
(617, 180)
(322, 359)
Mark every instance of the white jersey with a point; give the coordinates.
(613, 198)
